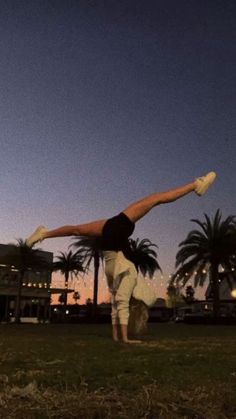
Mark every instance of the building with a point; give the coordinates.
(36, 288)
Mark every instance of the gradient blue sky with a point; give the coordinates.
(103, 102)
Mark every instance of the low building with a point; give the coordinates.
(35, 293)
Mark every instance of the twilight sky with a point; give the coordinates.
(103, 102)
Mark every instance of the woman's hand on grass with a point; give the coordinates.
(132, 341)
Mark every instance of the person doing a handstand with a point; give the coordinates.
(115, 232)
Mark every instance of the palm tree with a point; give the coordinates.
(144, 257)
(25, 258)
(203, 252)
(90, 249)
(68, 264)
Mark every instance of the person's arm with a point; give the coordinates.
(124, 335)
(122, 299)
(114, 320)
(115, 336)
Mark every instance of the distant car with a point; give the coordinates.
(178, 319)
(182, 314)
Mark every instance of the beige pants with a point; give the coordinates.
(121, 277)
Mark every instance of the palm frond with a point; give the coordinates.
(202, 250)
(144, 256)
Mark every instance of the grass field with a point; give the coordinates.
(76, 371)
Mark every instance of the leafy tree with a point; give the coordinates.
(25, 258)
(203, 252)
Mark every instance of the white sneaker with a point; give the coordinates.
(37, 236)
(203, 183)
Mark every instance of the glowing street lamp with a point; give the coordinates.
(233, 293)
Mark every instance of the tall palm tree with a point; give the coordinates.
(144, 256)
(90, 249)
(203, 252)
(68, 264)
(25, 258)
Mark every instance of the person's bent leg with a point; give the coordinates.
(138, 209)
(91, 229)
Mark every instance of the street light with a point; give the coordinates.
(233, 293)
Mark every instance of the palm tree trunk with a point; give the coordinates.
(18, 297)
(214, 280)
(66, 287)
(65, 295)
(95, 288)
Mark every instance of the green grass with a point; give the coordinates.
(77, 371)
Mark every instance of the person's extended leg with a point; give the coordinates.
(91, 229)
(134, 211)
(138, 209)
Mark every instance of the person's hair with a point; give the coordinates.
(138, 317)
